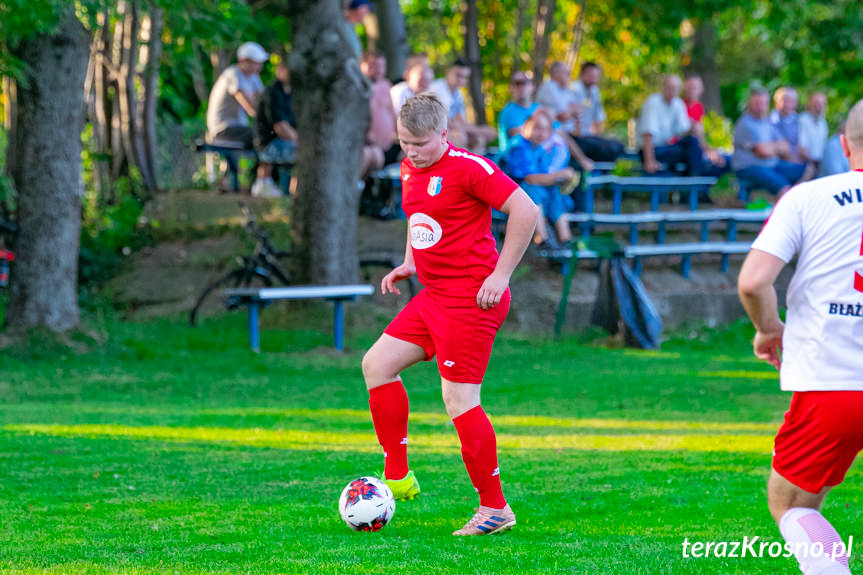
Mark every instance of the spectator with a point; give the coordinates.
(515, 113)
(419, 78)
(555, 95)
(784, 117)
(233, 99)
(355, 12)
(834, 161)
(590, 116)
(460, 132)
(666, 131)
(381, 147)
(813, 130)
(539, 160)
(693, 89)
(762, 156)
(275, 132)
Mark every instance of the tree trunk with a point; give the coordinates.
(703, 63)
(98, 112)
(543, 27)
(332, 105)
(150, 81)
(471, 47)
(197, 73)
(520, 22)
(118, 151)
(577, 36)
(48, 177)
(394, 42)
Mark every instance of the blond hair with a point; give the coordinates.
(424, 113)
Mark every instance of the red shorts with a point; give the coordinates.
(820, 438)
(459, 332)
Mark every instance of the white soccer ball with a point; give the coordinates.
(367, 504)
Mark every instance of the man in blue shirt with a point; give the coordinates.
(834, 161)
(514, 114)
(761, 155)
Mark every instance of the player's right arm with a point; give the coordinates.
(758, 296)
(402, 272)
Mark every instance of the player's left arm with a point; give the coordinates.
(758, 296)
(522, 213)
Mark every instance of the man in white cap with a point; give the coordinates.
(234, 96)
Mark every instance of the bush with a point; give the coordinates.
(110, 233)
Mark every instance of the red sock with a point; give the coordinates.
(389, 406)
(479, 452)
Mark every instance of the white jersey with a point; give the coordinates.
(822, 223)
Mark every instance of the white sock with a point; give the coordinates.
(803, 529)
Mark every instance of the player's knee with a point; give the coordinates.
(375, 372)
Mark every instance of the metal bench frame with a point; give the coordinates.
(256, 298)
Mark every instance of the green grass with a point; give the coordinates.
(156, 448)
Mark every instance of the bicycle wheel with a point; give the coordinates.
(235, 278)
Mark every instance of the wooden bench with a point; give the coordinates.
(256, 298)
(656, 186)
(587, 222)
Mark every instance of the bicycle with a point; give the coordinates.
(259, 269)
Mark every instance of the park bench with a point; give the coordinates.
(636, 222)
(685, 251)
(256, 298)
(657, 186)
(228, 150)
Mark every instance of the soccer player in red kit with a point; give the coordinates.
(447, 194)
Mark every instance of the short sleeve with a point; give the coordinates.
(781, 235)
(518, 160)
(546, 99)
(489, 184)
(648, 119)
(232, 81)
(744, 135)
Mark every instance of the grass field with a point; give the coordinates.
(155, 448)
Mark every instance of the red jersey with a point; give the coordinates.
(449, 206)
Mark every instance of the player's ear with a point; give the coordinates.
(443, 135)
(845, 149)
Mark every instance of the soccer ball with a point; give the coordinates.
(367, 504)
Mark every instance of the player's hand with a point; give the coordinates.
(402, 272)
(768, 346)
(492, 290)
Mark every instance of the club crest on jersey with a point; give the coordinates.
(434, 185)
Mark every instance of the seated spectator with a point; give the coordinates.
(233, 99)
(515, 113)
(834, 161)
(354, 12)
(460, 132)
(784, 117)
(666, 131)
(381, 146)
(761, 154)
(275, 132)
(693, 89)
(813, 130)
(557, 98)
(539, 160)
(589, 118)
(418, 80)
